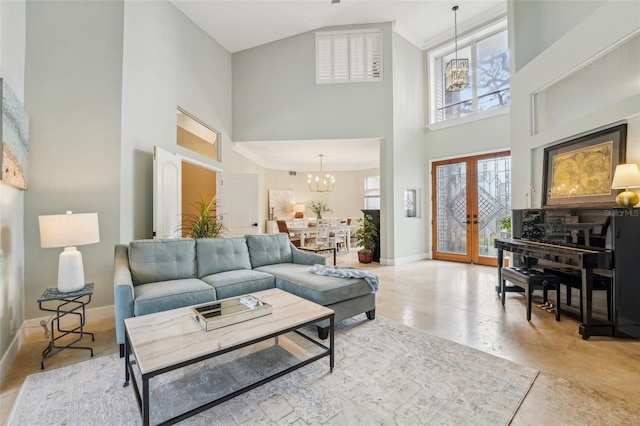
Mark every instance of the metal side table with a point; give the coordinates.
(71, 303)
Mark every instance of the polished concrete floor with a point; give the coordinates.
(581, 382)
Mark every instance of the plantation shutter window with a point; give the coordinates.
(324, 67)
(356, 47)
(373, 49)
(340, 59)
(348, 57)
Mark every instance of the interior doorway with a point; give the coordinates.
(470, 196)
(198, 184)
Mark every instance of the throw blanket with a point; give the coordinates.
(347, 272)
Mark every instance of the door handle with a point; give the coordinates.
(254, 224)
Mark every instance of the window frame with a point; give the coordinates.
(468, 40)
(369, 74)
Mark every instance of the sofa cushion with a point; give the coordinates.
(242, 281)
(221, 254)
(164, 295)
(267, 249)
(162, 260)
(321, 289)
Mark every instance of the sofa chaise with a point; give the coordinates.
(158, 275)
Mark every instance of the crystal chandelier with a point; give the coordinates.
(322, 182)
(456, 73)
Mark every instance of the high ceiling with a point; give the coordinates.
(242, 24)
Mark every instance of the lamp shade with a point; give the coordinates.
(626, 176)
(299, 209)
(68, 231)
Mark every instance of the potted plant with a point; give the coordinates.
(319, 207)
(204, 223)
(505, 227)
(366, 238)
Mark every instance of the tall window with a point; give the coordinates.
(488, 54)
(372, 193)
(348, 56)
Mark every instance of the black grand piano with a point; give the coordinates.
(605, 241)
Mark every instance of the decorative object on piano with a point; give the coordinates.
(579, 172)
(366, 238)
(505, 227)
(626, 176)
(319, 207)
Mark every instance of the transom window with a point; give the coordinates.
(488, 54)
(349, 56)
(372, 193)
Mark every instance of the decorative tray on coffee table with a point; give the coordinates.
(230, 311)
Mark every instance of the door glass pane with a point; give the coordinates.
(494, 201)
(451, 216)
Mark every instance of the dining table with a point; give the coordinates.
(310, 231)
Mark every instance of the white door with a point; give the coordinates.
(167, 193)
(238, 203)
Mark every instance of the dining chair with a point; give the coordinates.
(284, 229)
(322, 234)
(339, 237)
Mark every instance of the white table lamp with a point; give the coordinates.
(68, 231)
(626, 176)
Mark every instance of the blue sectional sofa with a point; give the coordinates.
(157, 275)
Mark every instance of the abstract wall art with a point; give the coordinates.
(15, 139)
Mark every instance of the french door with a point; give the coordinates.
(470, 196)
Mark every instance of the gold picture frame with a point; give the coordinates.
(579, 172)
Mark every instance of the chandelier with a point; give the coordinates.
(456, 74)
(322, 182)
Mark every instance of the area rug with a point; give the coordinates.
(385, 373)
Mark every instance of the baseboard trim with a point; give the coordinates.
(403, 260)
(10, 355)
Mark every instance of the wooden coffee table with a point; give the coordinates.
(169, 340)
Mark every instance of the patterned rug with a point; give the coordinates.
(385, 373)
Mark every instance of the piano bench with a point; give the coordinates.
(528, 279)
(573, 279)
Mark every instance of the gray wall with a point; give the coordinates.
(542, 23)
(168, 62)
(410, 170)
(12, 42)
(73, 81)
(576, 45)
(275, 97)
